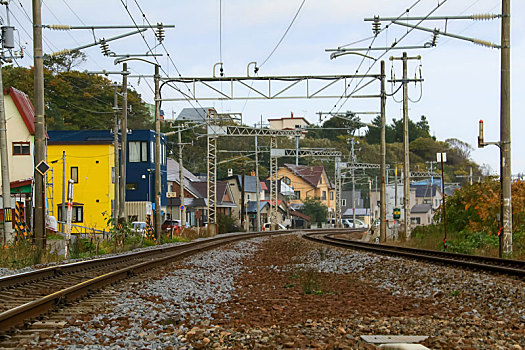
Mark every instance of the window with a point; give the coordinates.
(138, 151)
(113, 175)
(416, 221)
(74, 174)
(287, 180)
(297, 194)
(331, 195)
(131, 186)
(343, 202)
(248, 195)
(323, 196)
(21, 148)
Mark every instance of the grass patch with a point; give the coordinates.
(310, 280)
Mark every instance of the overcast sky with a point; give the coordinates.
(461, 79)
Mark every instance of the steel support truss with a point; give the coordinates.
(213, 132)
(274, 87)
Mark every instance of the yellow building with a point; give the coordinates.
(308, 182)
(89, 162)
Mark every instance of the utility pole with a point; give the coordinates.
(63, 208)
(297, 150)
(353, 183)
(157, 154)
(6, 182)
(406, 142)
(257, 185)
(116, 201)
(124, 145)
(243, 209)
(182, 208)
(442, 157)
(382, 210)
(40, 147)
(505, 158)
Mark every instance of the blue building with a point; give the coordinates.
(140, 168)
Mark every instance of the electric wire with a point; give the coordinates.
(174, 86)
(390, 48)
(283, 36)
(367, 52)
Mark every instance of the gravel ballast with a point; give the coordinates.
(286, 292)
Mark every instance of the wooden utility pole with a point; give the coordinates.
(116, 200)
(505, 158)
(382, 210)
(158, 154)
(406, 142)
(182, 208)
(40, 146)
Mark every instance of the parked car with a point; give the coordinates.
(170, 225)
(350, 223)
(139, 227)
(267, 227)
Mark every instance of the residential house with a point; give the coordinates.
(20, 123)
(421, 214)
(289, 123)
(308, 182)
(391, 200)
(140, 174)
(250, 192)
(194, 115)
(89, 162)
(282, 218)
(225, 200)
(193, 200)
(426, 194)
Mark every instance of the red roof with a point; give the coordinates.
(311, 174)
(263, 186)
(300, 215)
(25, 108)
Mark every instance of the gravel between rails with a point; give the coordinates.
(251, 294)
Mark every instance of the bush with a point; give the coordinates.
(227, 224)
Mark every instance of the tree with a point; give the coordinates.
(317, 211)
(64, 62)
(348, 123)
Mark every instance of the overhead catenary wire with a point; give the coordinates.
(393, 45)
(168, 55)
(284, 35)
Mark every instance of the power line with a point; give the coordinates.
(390, 48)
(286, 32)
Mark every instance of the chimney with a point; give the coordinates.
(291, 113)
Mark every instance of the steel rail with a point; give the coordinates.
(23, 313)
(496, 265)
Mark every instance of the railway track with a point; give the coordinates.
(26, 296)
(495, 265)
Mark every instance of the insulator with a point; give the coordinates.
(59, 27)
(61, 52)
(434, 39)
(484, 16)
(485, 43)
(160, 32)
(104, 47)
(376, 26)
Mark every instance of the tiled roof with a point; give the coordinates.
(420, 208)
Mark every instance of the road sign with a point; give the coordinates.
(42, 167)
(181, 207)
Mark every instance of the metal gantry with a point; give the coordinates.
(276, 87)
(213, 132)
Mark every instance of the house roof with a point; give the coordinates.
(300, 215)
(291, 118)
(194, 114)
(80, 136)
(252, 206)
(250, 182)
(421, 208)
(173, 171)
(24, 106)
(311, 174)
(425, 191)
(220, 190)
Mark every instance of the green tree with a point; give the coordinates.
(317, 211)
(343, 125)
